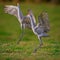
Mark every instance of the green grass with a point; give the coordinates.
(10, 31)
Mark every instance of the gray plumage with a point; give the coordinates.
(41, 28)
(44, 21)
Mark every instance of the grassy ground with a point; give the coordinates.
(10, 31)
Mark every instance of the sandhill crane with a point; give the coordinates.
(40, 30)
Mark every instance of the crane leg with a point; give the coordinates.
(40, 45)
(21, 36)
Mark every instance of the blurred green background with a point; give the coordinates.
(10, 31)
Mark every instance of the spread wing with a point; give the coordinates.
(10, 9)
(44, 21)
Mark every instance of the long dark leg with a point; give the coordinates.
(40, 41)
(21, 35)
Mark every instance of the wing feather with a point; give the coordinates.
(44, 21)
(10, 9)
